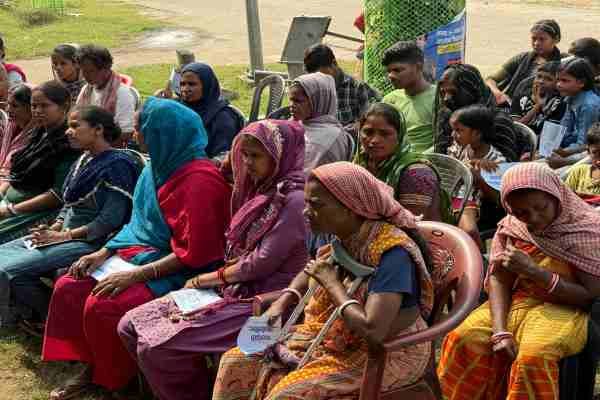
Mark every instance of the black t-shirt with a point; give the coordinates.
(553, 111)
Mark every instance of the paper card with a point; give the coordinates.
(190, 300)
(112, 265)
(551, 138)
(494, 179)
(257, 335)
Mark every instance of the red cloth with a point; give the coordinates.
(359, 22)
(195, 203)
(83, 327)
(15, 68)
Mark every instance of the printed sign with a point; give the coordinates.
(257, 335)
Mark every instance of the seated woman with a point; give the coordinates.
(589, 49)
(576, 84)
(542, 280)
(39, 169)
(545, 35)
(385, 153)
(313, 100)
(584, 179)
(17, 133)
(97, 202)
(177, 226)
(473, 133)
(65, 68)
(346, 200)
(266, 250)
(200, 91)
(461, 85)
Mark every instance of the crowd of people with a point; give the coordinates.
(110, 206)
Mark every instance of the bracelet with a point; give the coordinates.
(500, 336)
(553, 283)
(69, 234)
(11, 209)
(345, 304)
(293, 291)
(221, 276)
(155, 270)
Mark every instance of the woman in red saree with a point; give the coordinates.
(180, 212)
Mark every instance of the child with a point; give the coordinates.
(542, 102)
(576, 83)
(585, 179)
(65, 69)
(473, 131)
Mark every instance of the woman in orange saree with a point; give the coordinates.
(544, 274)
(346, 200)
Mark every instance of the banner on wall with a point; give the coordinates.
(444, 46)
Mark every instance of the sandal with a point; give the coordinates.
(75, 388)
(35, 329)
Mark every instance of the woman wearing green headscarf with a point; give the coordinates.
(386, 154)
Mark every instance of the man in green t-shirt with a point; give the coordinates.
(414, 96)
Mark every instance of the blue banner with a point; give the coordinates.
(444, 46)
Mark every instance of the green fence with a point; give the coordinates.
(389, 21)
(53, 5)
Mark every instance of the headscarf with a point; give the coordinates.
(473, 90)
(320, 89)
(363, 194)
(109, 100)
(174, 136)
(255, 209)
(211, 102)
(112, 169)
(573, 237)
(391, 169)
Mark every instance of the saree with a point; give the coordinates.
(544, 330)
(336, 368)
(13, 140)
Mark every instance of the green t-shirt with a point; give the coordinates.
(418, 113)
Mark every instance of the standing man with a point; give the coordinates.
(354, 96)
(413, 96)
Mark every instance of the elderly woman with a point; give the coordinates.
(265, 243)
(200, 91)
(545, 35)
(385, 153)
(313, 100)
(96, 200)
(544, 274)
(18, 131)
(346, 200)
(38, 170)
(461, 85)
(176, 230)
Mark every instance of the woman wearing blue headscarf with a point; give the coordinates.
(200, 91)
(180, 212)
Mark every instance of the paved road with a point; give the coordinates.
(497, 29)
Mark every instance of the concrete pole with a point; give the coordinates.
(254, 37)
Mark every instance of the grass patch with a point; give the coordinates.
(31, 33)
(149, 78)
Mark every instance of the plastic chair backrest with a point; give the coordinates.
(139, 158)
(457, 276)
(454, 175)
(241, 117)
(276, 85)
(137, 97)
(529, 136)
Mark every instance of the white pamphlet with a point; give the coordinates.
(190, 300)
(257, 335)
(494, 179)
(551, 138)
(112, 265)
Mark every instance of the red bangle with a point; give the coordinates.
(221, 276)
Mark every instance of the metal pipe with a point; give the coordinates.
(254, 37)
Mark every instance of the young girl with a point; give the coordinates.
(585, 179)
(65, 69)
(576, 83)
(473, 132)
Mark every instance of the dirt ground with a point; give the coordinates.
(496, 29)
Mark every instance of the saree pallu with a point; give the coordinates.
(544, 332)
(336, 368)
